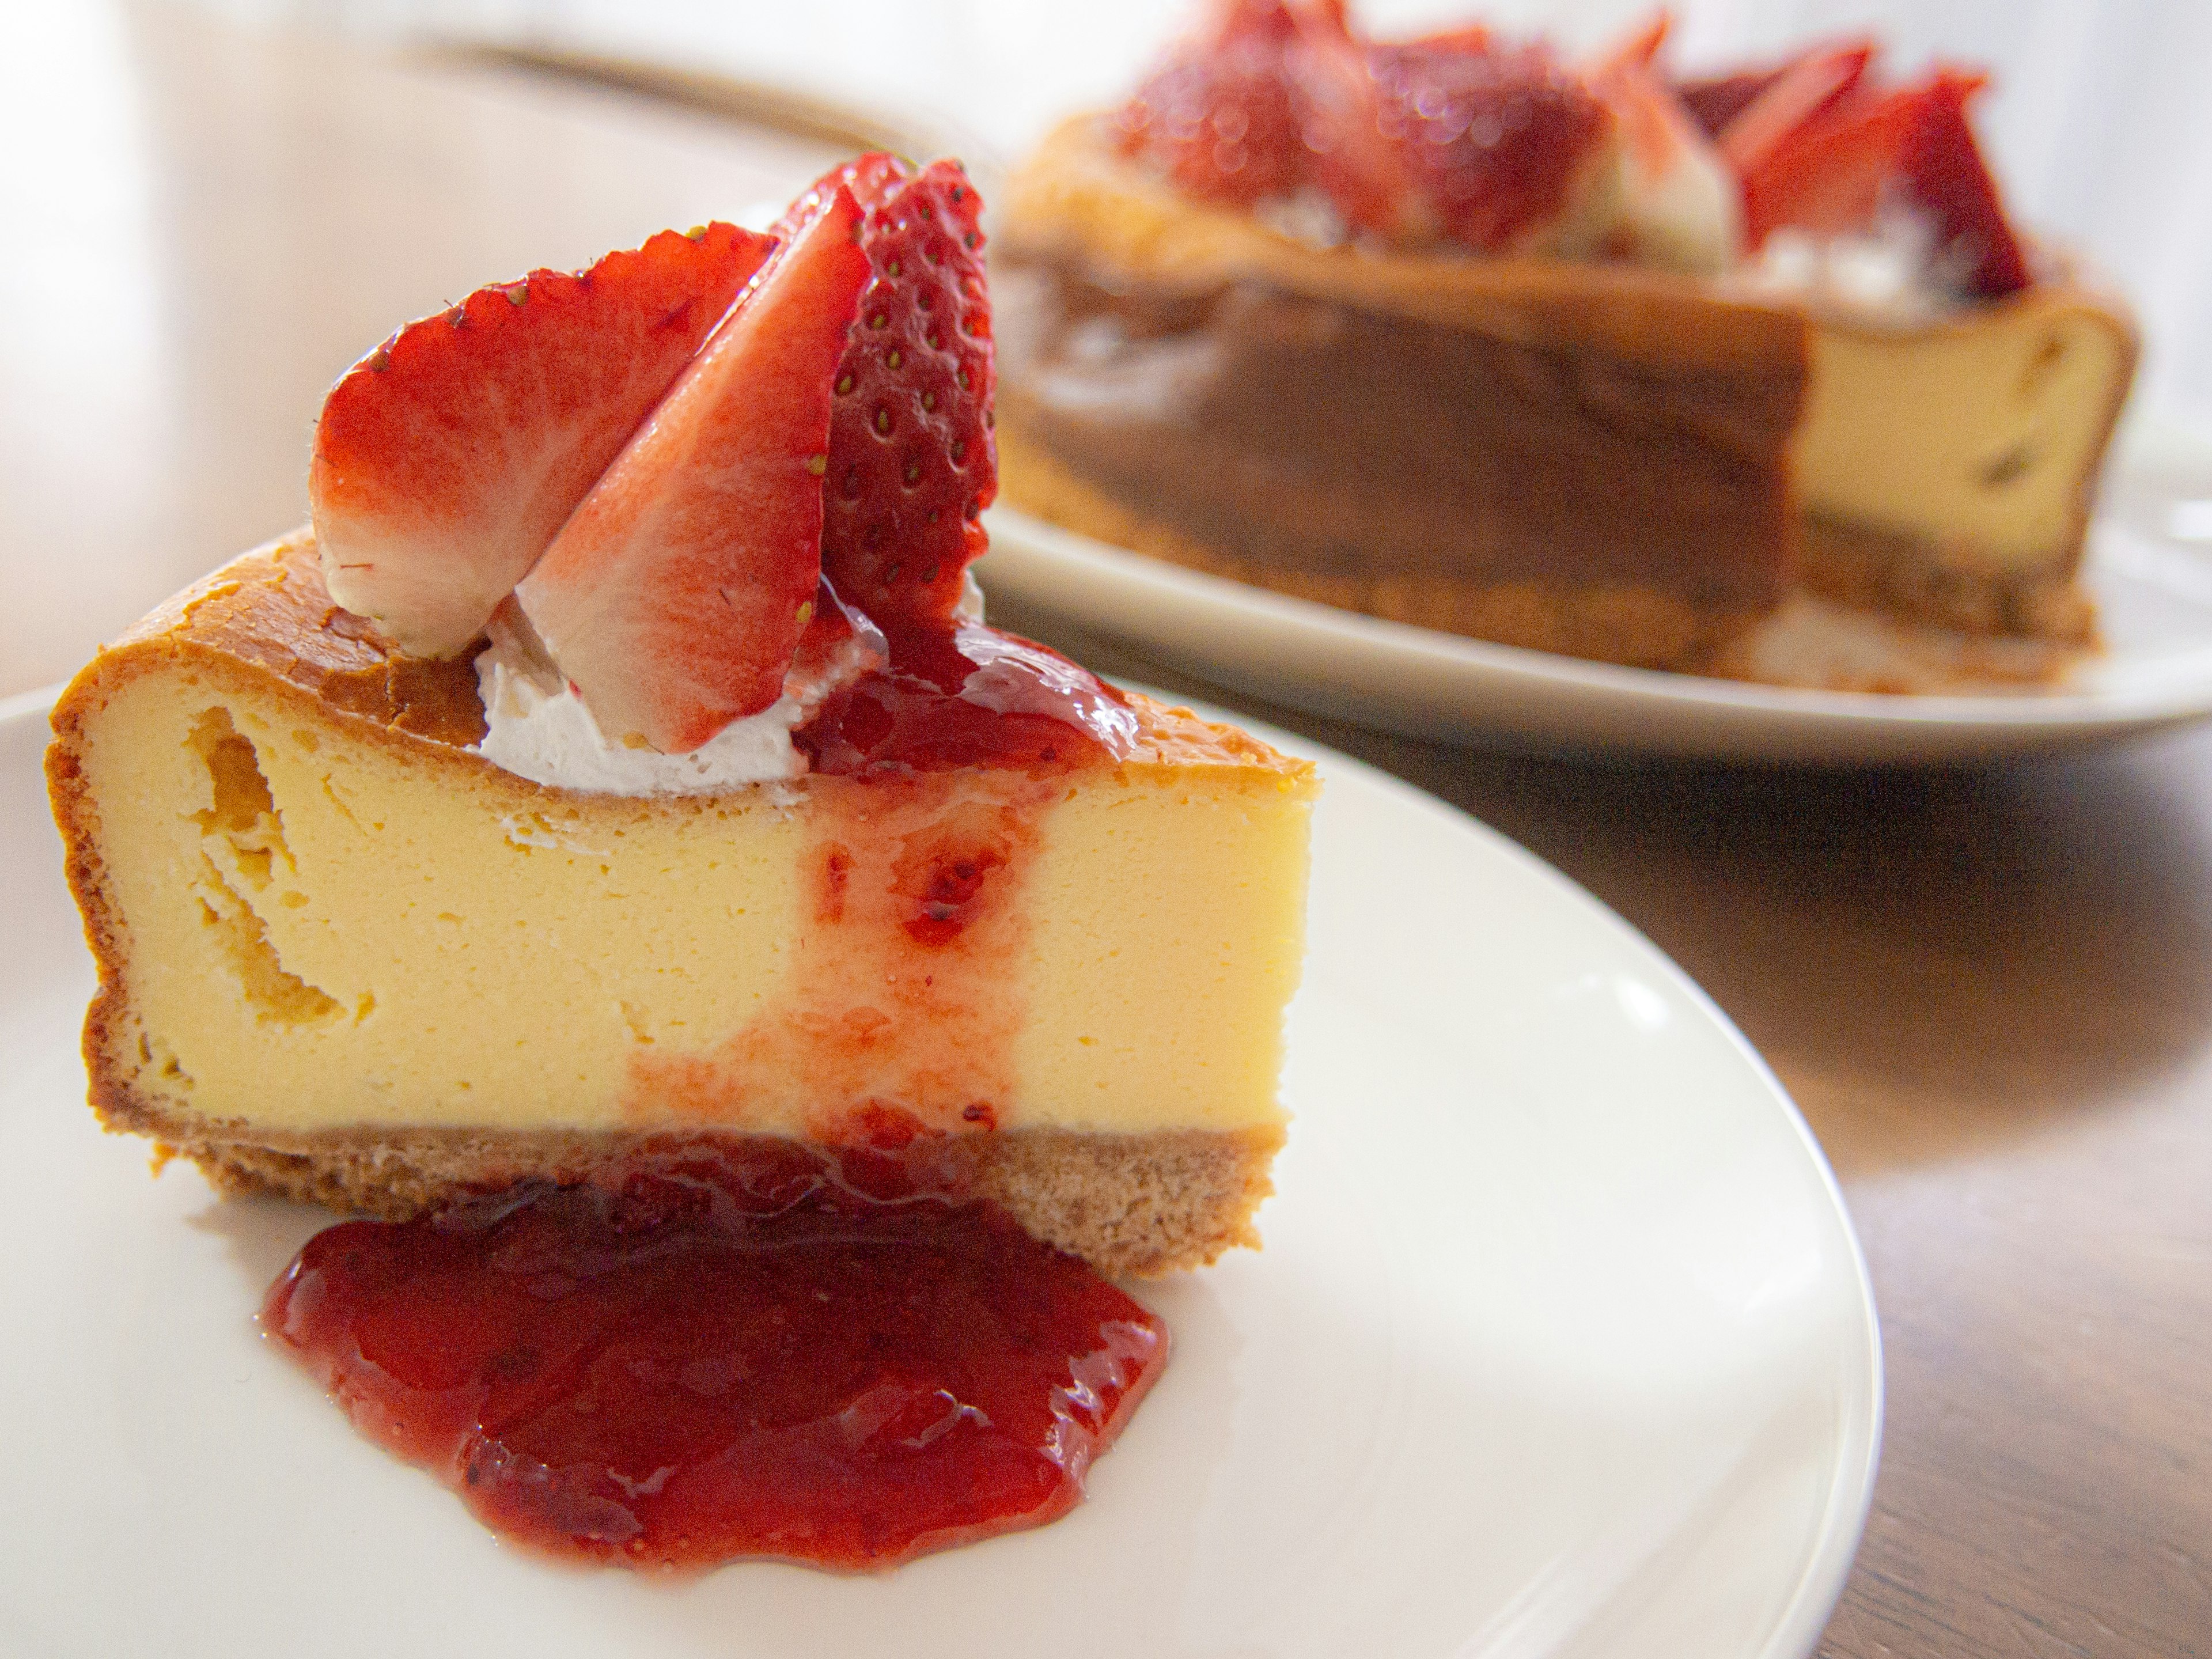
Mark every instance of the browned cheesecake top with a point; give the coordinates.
(270, 607)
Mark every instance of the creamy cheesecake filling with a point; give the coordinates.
(327, 931)
(1979, 433)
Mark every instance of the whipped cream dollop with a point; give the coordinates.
(1890, 272)
(537, 726)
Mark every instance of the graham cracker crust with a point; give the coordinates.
(1902, 575)
(1139, 1205)
(1624, 623)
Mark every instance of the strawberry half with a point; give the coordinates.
(1946, 174)
(1495, 138)
(1833, 171)
(912, 458)
(675, 596)
(1217, 115)
(446, 459)
(1798, 93)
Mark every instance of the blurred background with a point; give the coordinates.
(208, 207)
(2101, 115)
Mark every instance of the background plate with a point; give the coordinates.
(1561, 1345)
(2150, 568)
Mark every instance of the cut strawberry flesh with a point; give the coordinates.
(445, 461)
(913, 461)
(1715, 100)
(1348, 155)
(675, 597)
(1639, 50)
(1946, 174)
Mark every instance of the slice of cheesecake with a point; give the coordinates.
(344, 957)
(1948, 467)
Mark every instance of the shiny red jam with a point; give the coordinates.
(972, 697)
(692, 1370)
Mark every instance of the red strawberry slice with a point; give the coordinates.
(1495, 139)
(675, 596)
(1217, 116)
(1797, 94)
(1361, 167)
(1946, 174)
(446, 459)
(912, 458)
(1715, 100)
(1832, 172)
(1828, 175)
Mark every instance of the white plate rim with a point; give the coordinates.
(1731, 719)
(1812, 1600)
(1851, 1494)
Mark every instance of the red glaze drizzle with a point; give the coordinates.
(700, 1368)
(971, 697)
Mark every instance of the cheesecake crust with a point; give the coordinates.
(1141, 1204)
(1857, 563)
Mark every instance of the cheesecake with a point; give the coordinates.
(1583, 356)
(1947, 467)
(1577, 458)
(535, 877)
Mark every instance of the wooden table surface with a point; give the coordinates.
(1989, 989)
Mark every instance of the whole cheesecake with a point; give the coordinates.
(1577, 457)
(1454, 332)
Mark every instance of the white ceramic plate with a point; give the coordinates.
(1561, 1345)
(2150, 568)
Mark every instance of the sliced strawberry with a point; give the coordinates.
(1494, 139)
(1217, 115)
(1803, 89)
(676, 595)
(1913, 144)
(1945, 172)
(446, 459)
(913, 461)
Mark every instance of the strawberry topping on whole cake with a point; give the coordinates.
(1466, 139)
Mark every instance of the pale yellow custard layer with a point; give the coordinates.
(309, 921)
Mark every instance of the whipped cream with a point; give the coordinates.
(538, 727)
(1890, 272)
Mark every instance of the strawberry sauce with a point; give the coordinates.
(754, 1362)
(971, 697)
